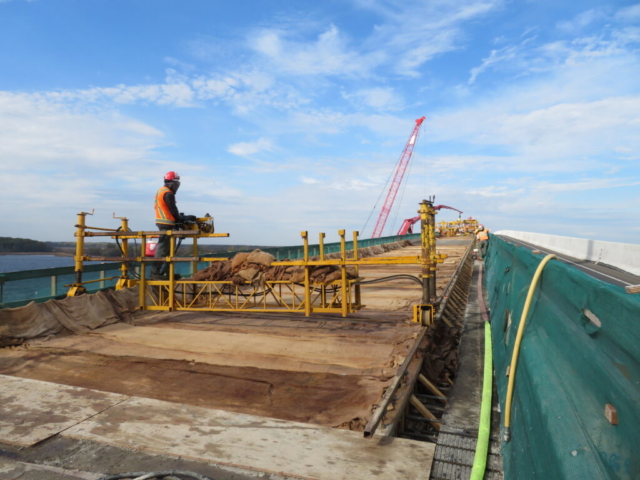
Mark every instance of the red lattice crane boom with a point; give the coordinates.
(405, 158)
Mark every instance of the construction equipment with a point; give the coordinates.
(405, 158)
(305, 296)
(184, 222)
(407, 226)
(191, 222)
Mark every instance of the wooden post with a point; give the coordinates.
(431, 387)
(424, 411)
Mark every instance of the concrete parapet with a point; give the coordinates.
(624, 256)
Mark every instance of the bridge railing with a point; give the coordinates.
(20, 288)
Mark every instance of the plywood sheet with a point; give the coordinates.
(259, 443)
(32, 411)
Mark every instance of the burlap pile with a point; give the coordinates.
(255, 267)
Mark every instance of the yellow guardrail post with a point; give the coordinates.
(425, 250)
(358, 295)
(432, 251)
(172, 281)
(194, 265)
(142, 287)
(307, 286)
(124, 276)
(323, 288)
(346, 296)
(76, 287)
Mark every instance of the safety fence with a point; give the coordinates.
(19, 288)
(578, 368)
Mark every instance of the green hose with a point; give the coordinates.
(482, 447)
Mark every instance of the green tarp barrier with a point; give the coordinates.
(568, 370)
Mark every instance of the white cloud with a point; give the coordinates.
(329, 121)
(495, 191)
(309, 180)
(35, 131)
(383, 98)
(529, 58)
(328, 54)
(543, 137)
(628, 14)
(505, 54)
(244, 149)
(582, 20)
(584, 185)
(352, 184)
(415, 32)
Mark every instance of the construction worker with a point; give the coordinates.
(482, 235)
(166, 217)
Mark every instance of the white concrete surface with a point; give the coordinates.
(625, 256)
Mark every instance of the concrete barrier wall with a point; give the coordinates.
(625, 256)
(579, 353)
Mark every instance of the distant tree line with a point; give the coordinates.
(19, 245)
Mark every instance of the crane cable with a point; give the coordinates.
(384, 188)
(405, 181)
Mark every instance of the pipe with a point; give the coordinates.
(484, 429)
(381, 409)
(482, 446)
(516, 346)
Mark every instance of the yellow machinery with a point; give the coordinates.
(307, 297)
(457, 227)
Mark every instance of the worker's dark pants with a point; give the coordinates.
(482, 249)
(162, 250)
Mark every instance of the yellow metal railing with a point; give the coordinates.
(342, 295)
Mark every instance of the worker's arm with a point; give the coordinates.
(170, 201)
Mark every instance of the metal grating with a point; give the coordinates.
(454, 453)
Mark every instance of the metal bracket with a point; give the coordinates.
(423, 314)
(76, 291)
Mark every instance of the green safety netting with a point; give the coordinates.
(580, 351)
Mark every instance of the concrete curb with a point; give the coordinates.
(624, 256)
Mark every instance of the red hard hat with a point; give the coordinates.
(170, 176)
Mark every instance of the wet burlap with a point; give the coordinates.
(320, 372)
(324, 370)
(73, 314)
(256, 265)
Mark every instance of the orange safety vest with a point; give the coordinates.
(483, 235)
(163, 215)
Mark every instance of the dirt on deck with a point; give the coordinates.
(324, 369)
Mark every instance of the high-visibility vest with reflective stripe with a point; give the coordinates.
(163, 215)
(483, 235)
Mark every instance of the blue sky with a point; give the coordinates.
(284, 116)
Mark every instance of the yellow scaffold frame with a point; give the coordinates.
(340, 296)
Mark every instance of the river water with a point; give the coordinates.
(17, 263)
(19, 290)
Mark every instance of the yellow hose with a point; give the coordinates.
(516, 347)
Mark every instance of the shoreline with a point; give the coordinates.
(55, 254)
